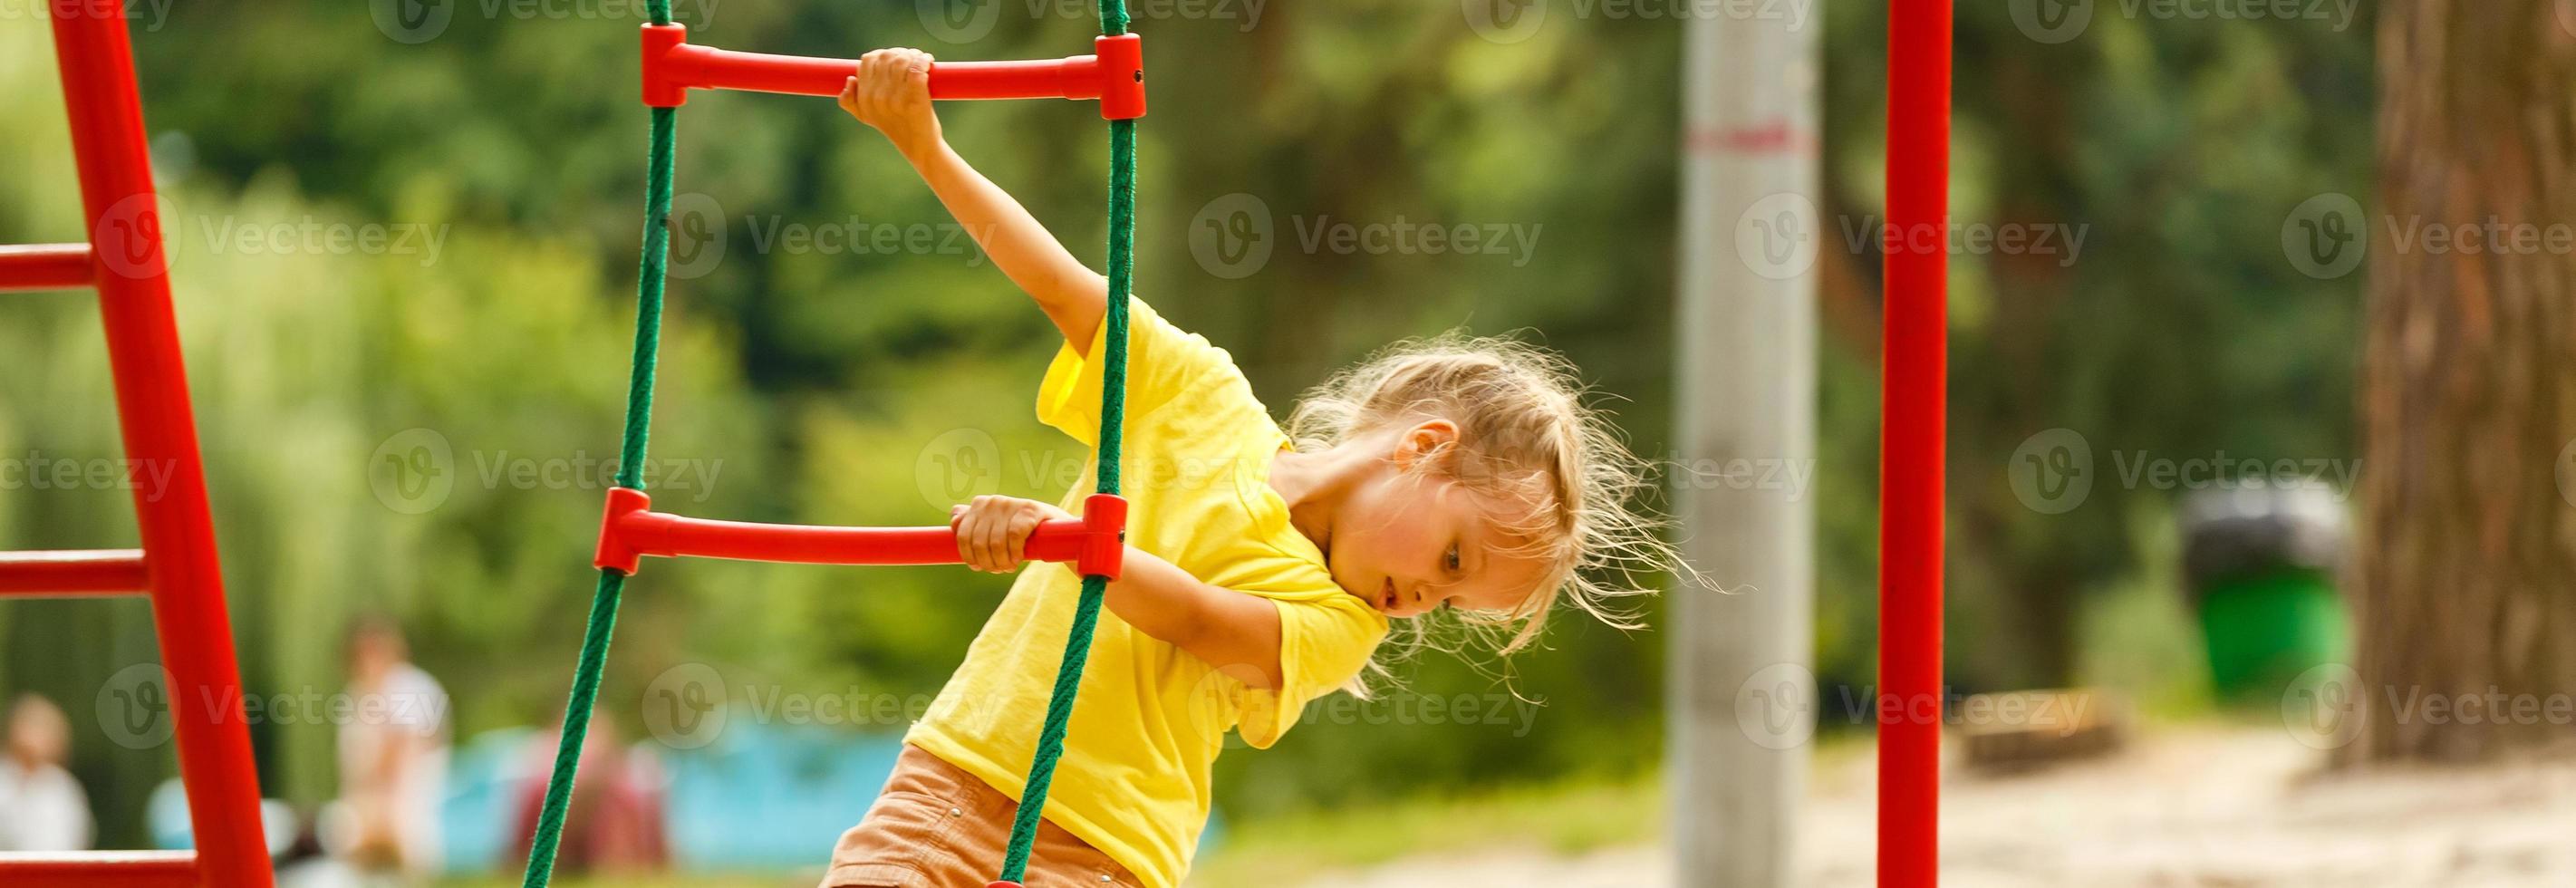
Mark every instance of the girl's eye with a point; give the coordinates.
(1451, 558)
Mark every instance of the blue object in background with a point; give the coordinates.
(765, 798)
(758, 798)
(484, 775)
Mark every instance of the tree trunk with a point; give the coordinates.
(2468, 395)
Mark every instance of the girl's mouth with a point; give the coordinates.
(1386, 596)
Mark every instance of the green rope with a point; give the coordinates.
(1113, 410)
(630, 474)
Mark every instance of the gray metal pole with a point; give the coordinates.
(1742, 702)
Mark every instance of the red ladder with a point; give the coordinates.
(176, 566)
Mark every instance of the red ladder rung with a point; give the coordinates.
(81, 572)
(101, 869)
(44, 267)
(1094, 543)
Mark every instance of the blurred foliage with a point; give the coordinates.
(822, 384)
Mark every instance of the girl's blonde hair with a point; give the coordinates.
(1526, 437)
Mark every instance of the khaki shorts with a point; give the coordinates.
(936, 826)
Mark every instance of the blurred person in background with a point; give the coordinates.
(613, 823)
(393, 762)
(42, 807)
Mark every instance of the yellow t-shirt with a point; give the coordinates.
(1135, 777)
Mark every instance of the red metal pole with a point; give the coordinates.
(1913, 410)
(187, 586)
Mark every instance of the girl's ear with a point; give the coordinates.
(1433, 439)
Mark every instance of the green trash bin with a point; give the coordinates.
(2261, 563)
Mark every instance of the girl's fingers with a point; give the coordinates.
(997, 538)
(1023, 522)
(984, 533)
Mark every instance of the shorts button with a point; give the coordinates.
(956, 812)
(1105, 878)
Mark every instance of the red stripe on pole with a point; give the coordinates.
(1913, 407)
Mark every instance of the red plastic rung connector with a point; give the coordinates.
(44, 267)
(103, 869)
(1114, 74)
(629, 529)
(75, 572)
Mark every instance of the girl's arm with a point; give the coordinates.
(891, 91)
(1224, 627)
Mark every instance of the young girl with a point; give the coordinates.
(1262, 568)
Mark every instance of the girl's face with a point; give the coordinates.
(1408, 543)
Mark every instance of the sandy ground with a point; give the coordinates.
(2230, 808)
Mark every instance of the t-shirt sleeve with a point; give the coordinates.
(1324, 641)
(1164, 363)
